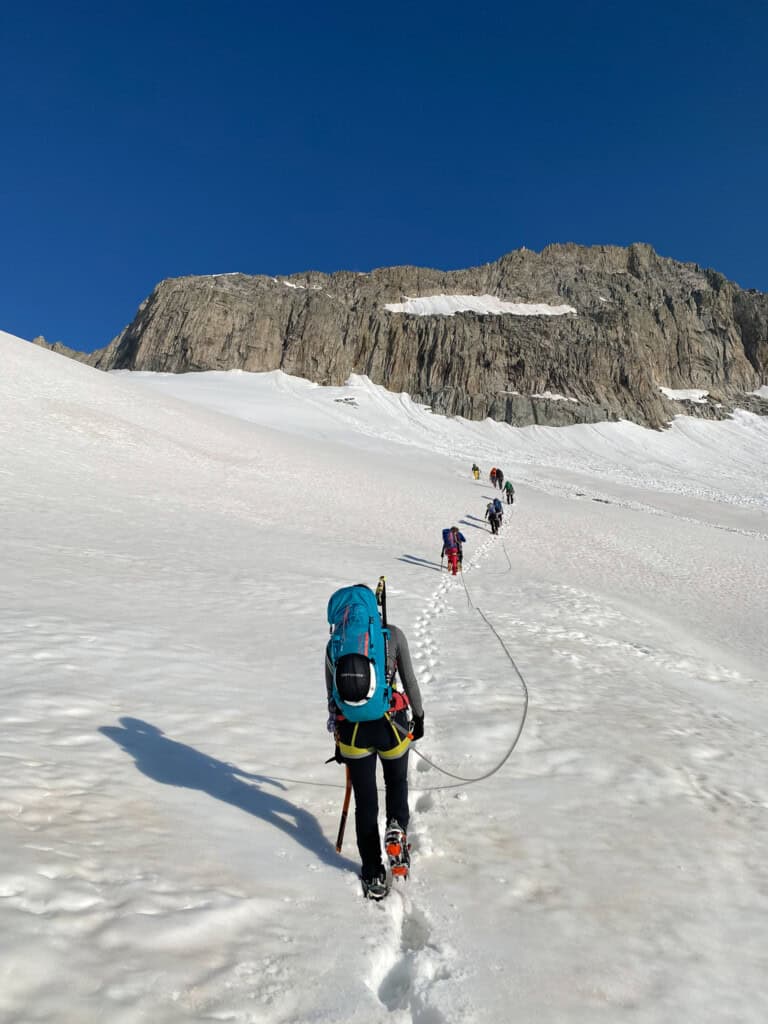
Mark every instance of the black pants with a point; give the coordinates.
(362, 771)
(510, 497)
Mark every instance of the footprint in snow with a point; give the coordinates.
(419, 965)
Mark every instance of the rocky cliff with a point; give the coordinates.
(638, 322)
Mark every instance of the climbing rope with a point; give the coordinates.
(465, 780)
(461, 780)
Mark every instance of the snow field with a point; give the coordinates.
(169, 545)
(485, 305)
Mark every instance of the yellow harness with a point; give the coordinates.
(401, 745)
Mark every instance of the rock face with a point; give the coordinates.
(641, 322)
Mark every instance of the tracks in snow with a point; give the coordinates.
(410, 969)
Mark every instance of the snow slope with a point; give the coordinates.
(168, 546)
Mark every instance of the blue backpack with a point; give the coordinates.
(448, 539)
(357, 651)
(497, 506)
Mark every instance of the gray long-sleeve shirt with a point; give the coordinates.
(398, 661)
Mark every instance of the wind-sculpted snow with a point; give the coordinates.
(168, 546)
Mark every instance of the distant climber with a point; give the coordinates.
(452, 548)
(509, 490)
(460, 540)
(493, 517)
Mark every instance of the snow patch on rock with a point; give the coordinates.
(486, 305)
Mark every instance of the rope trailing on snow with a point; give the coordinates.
(464, 780)
(461, 780)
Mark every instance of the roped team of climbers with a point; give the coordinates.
(387, 684)
(494, 513)
(494, 510)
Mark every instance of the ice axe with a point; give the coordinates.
(344, 812)
(381, 598)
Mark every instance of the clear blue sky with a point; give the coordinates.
(149, 140)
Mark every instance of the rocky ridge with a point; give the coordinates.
(641, 322)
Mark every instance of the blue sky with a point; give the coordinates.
(145, 141)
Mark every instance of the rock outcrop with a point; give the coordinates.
(60, 349)
(641, 322)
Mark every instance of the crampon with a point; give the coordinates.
(398, 850)
(377, 887)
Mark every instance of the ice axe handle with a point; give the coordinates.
(344, 813)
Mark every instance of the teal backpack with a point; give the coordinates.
(357, 650)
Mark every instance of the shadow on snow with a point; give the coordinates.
(420, 562)
(476, 521)
(176, 764)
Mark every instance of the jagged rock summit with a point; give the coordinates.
(571, 334)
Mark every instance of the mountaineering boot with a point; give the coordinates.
(398, 850)
(376, 886)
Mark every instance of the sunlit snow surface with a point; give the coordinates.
(487, 305)
(168, 546)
